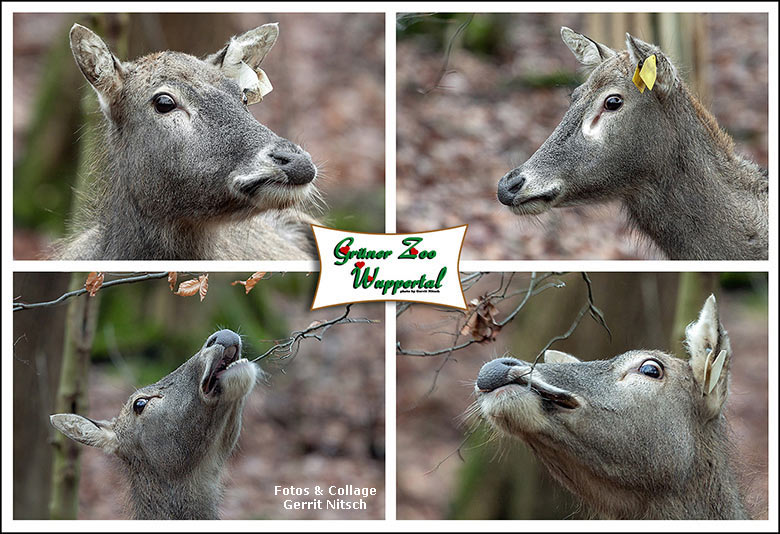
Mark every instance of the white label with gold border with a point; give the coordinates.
(417, 267)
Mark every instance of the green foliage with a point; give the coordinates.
(752, 286)
(361, 210)
(484, 34)
(530, 80)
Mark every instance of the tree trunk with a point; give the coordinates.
(37, 356)
(72, 398)
(694, 288)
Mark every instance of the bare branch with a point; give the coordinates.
(594, 311)
(444, 70)
(480, 323)
(492, 297)
(287, 348)
(18, 306)
(423, 353)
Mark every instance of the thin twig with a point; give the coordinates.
(424, 353)
(444, 70)
(288, 347)
(62, 298)
(490, 298)
(457, 451)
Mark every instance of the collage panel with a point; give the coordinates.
(551, 150)
(122, 151)
(586, 395)
(504, 300)
(240, 403)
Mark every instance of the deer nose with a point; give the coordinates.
(494, 373)
(226, 338)
(298, 167)
(509, 186)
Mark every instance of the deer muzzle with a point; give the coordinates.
(224, 349)
(525, 194)
(296, 166)
(512, 372)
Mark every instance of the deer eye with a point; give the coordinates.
(613, 102)
(164, 103)
(652, 368)
(139, 405)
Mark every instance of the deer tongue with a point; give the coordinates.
(229, 355)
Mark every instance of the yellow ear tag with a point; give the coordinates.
(645, 77)
(648, 72)
(638, 81)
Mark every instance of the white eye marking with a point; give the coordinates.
(592, 127)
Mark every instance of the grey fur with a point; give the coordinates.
(662, 154)
(204, 181)
(631, 446)
(174, 450)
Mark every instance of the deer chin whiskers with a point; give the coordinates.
(268, 188)
(531, 207)
(238, 380)
(513, 407)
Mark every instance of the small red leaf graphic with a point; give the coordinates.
(414, 251)
(360, 264)
(370, 278)
(93, 283)
(344, 249)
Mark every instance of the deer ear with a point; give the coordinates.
(100, 67)
(556, 356)
(666, 74)
(586, 50)
(710, 356)
(98, 434)
(240, 60)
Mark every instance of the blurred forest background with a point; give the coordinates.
(328, 76)
(318, 419)
(502, 479)
(478, 94)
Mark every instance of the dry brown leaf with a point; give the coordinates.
(172, 279)
(481, 325)
(188, 288)
(204, 286)
(93, 283)
(250, 282)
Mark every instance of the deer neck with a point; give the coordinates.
(714, 490)
(154, 496)
(132, 233)
(699, 199)
(709, 491)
